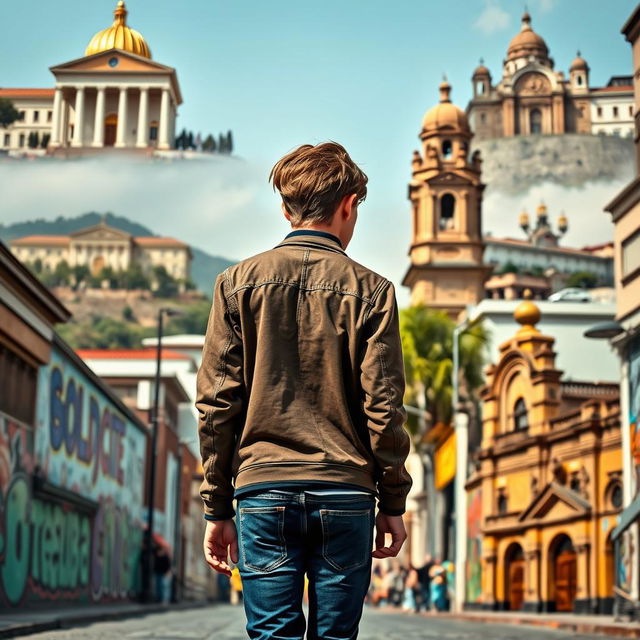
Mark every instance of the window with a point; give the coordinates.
(631, 110)
(21, 140)
(483, 118)
(615, 496)
(520, 416)
(21, 115)
(599, 112)
(535, 121)
(480, 87)
(574, 483)
(36, 116)
(7, 139)
(18, 389)
(153, 131)
(579, 81)
(615, 112)
(447, 211)
(49, 116)
(503, 502)
(447, 149)
(631, 254)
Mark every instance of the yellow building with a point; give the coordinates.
(547, 490)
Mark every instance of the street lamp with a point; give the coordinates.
(147, 592)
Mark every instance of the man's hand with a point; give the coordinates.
(393, 525)
(219, 536)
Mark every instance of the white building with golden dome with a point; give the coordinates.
(533, 98)
(113, 96)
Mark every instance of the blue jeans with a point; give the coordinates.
(282, 536)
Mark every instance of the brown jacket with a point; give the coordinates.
(302, 376)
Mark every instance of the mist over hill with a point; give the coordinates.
(204, 267)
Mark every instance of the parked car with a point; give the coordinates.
(570, 295)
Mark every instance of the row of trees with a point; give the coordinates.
(223, 143)
(157, 280)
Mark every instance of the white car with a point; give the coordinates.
(570, 295)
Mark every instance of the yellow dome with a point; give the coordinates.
(527, 42)
(445, 114)
(119, 36)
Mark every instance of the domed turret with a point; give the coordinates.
(119, 36)
(528, 43)
(579, 64)
(527, 314)
(445, 117)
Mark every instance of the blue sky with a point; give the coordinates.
(280, 73)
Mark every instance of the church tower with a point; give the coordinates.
(446, 270)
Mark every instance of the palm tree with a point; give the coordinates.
(427, 343)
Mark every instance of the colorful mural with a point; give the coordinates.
(474, 546)
(71, 494)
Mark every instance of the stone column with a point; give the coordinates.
(78, 128)
(64, 120)
(143, 118)
(122, 119)
(583, 582)
(163, 139)
(532, 598)
(57, 118)
(98, 124)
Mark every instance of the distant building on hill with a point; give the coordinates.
(533, 98)
(103, 246)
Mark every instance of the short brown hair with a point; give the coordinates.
(312, 181)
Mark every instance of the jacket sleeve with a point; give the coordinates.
(220, 403)
(382, 381)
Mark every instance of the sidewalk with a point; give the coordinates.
(24, 622)
(584, 624)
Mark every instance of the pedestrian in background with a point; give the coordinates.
(411, 585)
(438, 586)
(300, 398)
(162, 572)
(424, 578)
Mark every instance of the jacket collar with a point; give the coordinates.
(313, 238)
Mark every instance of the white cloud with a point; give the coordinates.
(493, 18)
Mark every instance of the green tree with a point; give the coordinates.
(33, 140)
(37, 265)
(229, 142)
(427, 343)
(127, 314)
(222, 144)
(8, 113)
(208, 144)
(193, 321)
(509, 267)
(583, 280)
(166, 285)
(62, 273)
(134, 278)
(45, 140)
(80, 273)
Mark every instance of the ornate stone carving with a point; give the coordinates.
(533, 84)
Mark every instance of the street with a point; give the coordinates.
(227, 622)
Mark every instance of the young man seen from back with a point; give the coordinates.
(301, 417)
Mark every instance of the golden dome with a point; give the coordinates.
(119, 36)
(445, 114)
(527, 42)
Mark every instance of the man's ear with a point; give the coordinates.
(349, 203)
(287, 215)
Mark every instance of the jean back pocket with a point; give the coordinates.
(262, 542)
(346, 537)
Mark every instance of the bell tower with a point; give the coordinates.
(445, 191)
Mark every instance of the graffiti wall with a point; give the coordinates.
(71, 505)
(474, 546)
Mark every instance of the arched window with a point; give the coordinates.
(579, 81)
(535, 121)
(520, 416)
(480, 87)
(447, 149)
(447, 211)
(615, 495)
